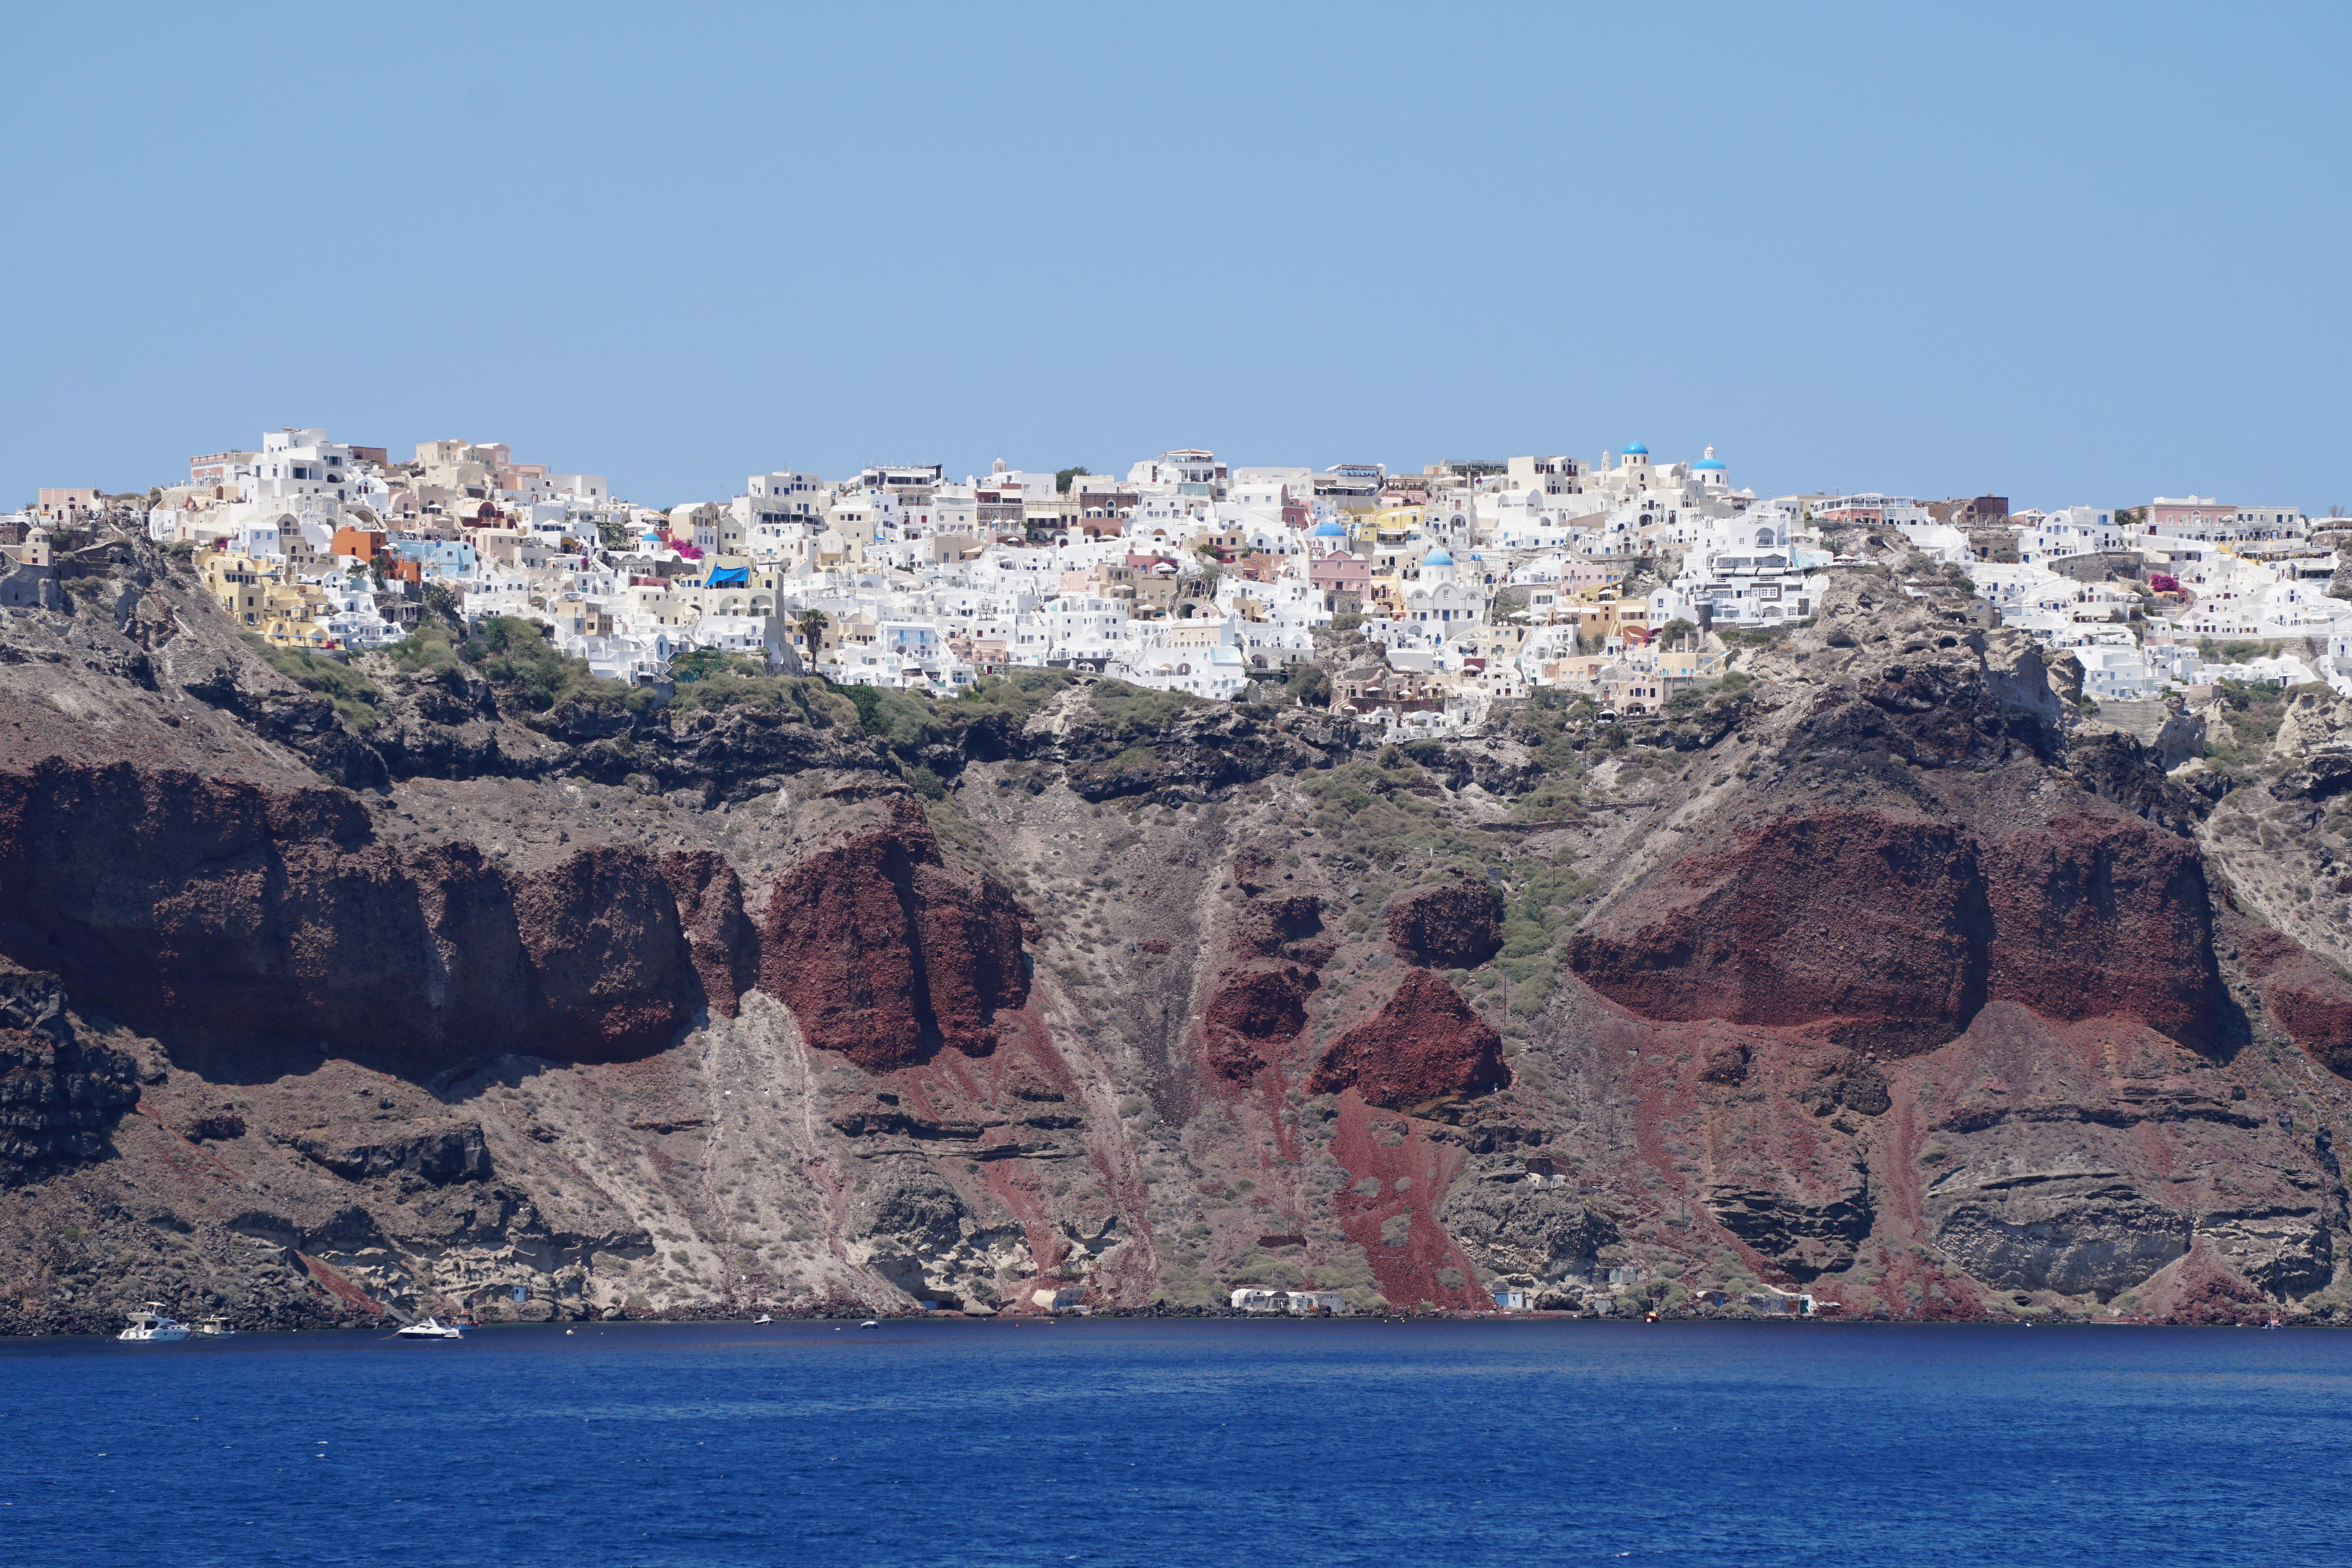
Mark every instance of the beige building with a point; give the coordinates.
(260, 600)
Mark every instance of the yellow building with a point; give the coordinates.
(294, 615)
(1603, 615)
(238, 583)
(258, 597)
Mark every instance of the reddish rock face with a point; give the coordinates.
(1894, 932)
(1424, 1048)
(1847, 915)
(601, 932)
(884, 954)
(1270, 925)
(2307, 997)
(215, 912)
(1725, 1063)
(1252, 1008)
(2104, 915)
(725, 944)
(1450, 927)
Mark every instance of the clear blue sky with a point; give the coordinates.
(2072, 254)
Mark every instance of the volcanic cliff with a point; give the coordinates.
(1879, 972)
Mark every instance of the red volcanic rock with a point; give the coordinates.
(2206, 1291)
(1267, 926)
(2099, 915)
(1848, 915)
(1424, 1048)
(1455, 926)
(1896, 930)
(1231, 1057)
(600, 931)
(1254, 1007)
(884, 954)
(213, 911)
(1725, 1063)
(2315, 1005)
(724, 943)
(2308, 997)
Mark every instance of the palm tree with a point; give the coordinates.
(812, 623)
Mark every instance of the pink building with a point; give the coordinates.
(2204, 518)
(54, 503)
(2167, 514)
(1339, 572)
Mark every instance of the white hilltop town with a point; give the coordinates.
(1423, 600)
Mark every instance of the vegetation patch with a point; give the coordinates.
(351, 693)
(1549, 905)
(1133, 710)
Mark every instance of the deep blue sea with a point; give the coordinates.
(1159, 1443)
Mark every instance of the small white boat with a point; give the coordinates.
(214, 1328)
(869, 1323)
(763, 1318)
(431, 1328)
(154, 1326)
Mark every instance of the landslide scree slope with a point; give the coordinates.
(1889, 975)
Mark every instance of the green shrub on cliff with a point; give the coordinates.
(903, 719)
(1549, 905)
(515, 656)
(699, 664)
(1547, 725)
(1133, 710)
(2214, 652)
(428, 648)
(353, 697)
(744, 684)
(1016, 693)
(1553, 801)
(1308, 685)
(1377, 816)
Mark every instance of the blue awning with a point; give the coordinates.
(728, 576)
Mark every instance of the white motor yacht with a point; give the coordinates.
(214, 1328)
(431, 1328)
(154, 1326)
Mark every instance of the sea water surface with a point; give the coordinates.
(1148, 1443)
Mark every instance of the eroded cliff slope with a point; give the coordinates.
(1877, 973)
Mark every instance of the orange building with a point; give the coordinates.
(361, 543)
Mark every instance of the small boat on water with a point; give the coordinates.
(430, 1328)
(154, 1326)
(869, 1323)
(763, 1318)
(214, 1328)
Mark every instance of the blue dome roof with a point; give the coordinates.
(1437, 558)
(1637, 447)
(1707, 463)
(1330, 531)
